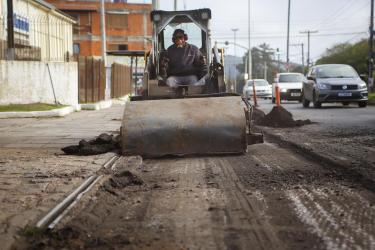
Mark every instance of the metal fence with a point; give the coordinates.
(41, 38)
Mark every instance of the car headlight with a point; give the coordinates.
(362, 85)
(323, 86)
(283, 90)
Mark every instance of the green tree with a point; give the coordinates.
(261, 55)
(355, 55)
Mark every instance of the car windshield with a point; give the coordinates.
(336, 71)
(257, 83)
(291, 78)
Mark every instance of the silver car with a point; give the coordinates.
(333, 83)
(262, 88)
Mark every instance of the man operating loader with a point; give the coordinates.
(183, 64)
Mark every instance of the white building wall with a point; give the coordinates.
(24, 82)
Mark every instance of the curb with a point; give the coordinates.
(121, 100)
(368, 182)
(97, 106)
(33, 114)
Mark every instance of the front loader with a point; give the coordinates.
(189, 120)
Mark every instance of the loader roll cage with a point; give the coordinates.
(163, 21)
(196, 24)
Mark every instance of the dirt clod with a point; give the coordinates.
(102, 144)
(280, 117)
(125, 178)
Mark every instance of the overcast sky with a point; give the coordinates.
(335, 20)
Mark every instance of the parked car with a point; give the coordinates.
(334, 83)
(290, 86)
(262, 88)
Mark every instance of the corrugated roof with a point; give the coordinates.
(52, 7)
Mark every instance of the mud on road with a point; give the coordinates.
(269, 198)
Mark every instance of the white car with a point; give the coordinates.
(262, 88)
(290, 86)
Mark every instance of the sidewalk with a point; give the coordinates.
(58, 132)
(35, 174)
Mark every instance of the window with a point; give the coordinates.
(291, 78)
(116, 47)
(336, 71)
(191, 29)
(76, 48)
(117, 21)
(122, 47)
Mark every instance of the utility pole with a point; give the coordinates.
(303, 57)
(10, 23)
(103, 33)
(235, 58)
(287, 39)
(371, 50)
(308, 32)
(175, 5)
(249, 57)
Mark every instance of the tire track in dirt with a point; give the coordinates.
(244, 215)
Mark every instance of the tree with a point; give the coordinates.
(261, 55)
(355, 55)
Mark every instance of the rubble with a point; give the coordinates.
(102, 144)
(279, 118)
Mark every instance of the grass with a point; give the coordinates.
(371, 96)
(29, 107)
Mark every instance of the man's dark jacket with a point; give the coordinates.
(184, 61)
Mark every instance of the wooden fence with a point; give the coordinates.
(91, 80)
(121, 80)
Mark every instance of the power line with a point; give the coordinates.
(283, 36)
(336, 13)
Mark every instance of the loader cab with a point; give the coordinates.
(196, 24)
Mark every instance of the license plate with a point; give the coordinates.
(345, 94)
(295, 94)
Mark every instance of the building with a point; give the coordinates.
(41, 32)
(128, 26)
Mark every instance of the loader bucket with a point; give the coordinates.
(189, 126)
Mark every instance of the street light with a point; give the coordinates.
(235, 63)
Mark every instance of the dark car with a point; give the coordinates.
(333, 83)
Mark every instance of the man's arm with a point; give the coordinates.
(200, 63)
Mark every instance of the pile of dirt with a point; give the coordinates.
(280, 118)
(102, 144)
(257, 115)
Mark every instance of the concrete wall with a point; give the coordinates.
(23, 82)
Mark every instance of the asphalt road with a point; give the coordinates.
(272, 197)
(331, 114)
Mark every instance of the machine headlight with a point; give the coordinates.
(156, 17)
(324, 86)
(205, 15)
(362, 85)
(283, 90)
